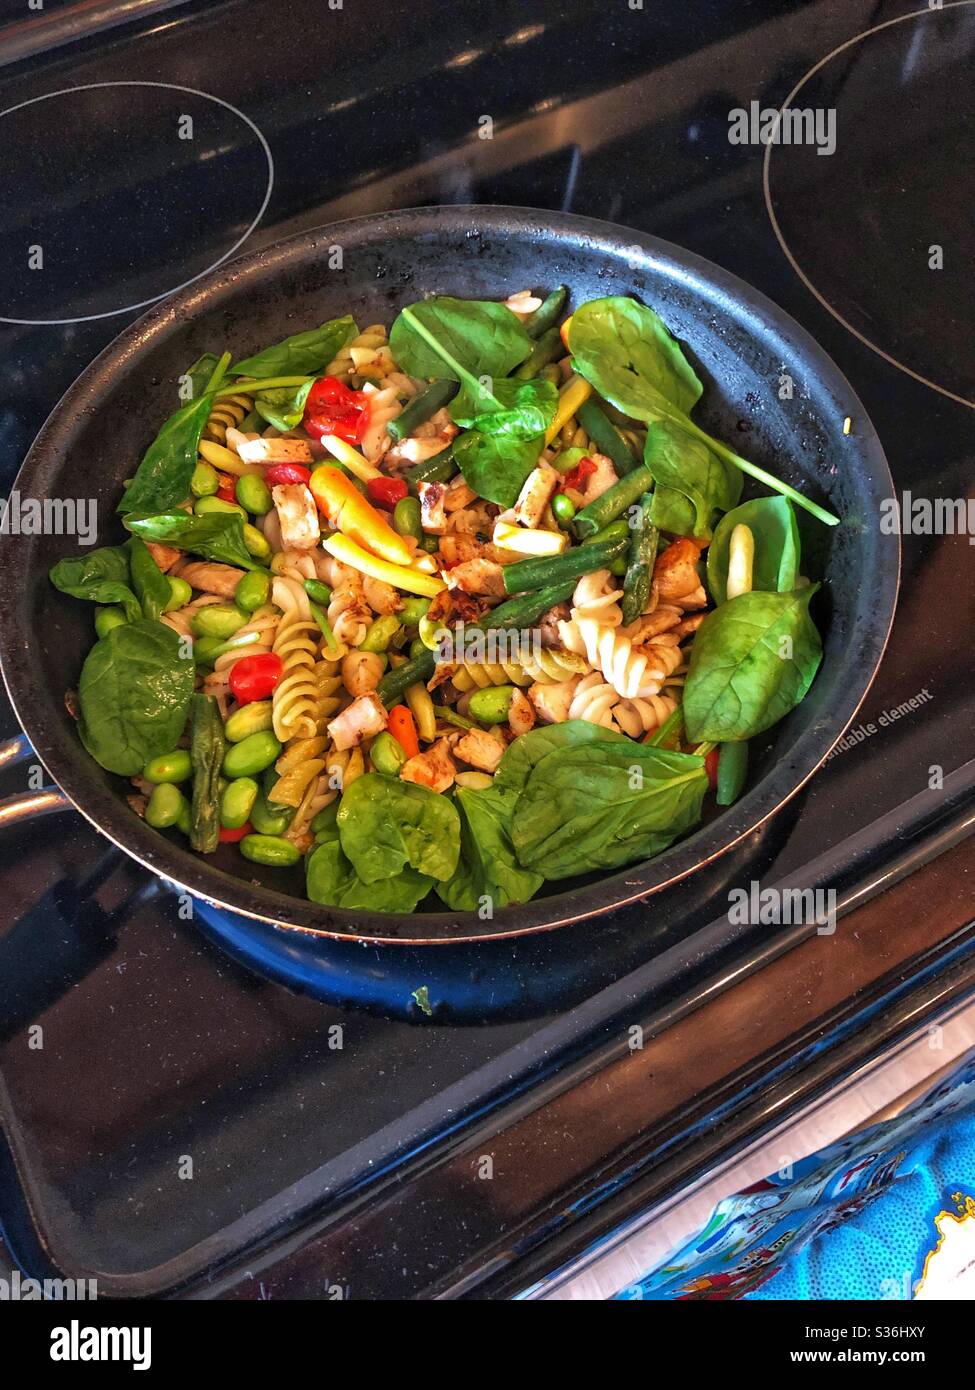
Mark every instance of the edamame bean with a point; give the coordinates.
(237, 803)
(184, 821)
(107, 618)
(563, 509)
(251, 756)
(257, 544)
(379, 634)
(406, 518)
(249, 719)
(417, 647)
(217, 620)
(253, 591)
(430, 544)
(413, 610)
(217, 504)
(169, 767)
(387, 754)
(491, 706)
(180, 594)
(326, 819)
(270, 820)
(253, 494)
(164, 806)
(272, 850)
(318, 591)
(204, 482)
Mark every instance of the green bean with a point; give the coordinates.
(217, 620)
(413, 610)
(406, 518)
(107, 618)
(439, 469)
(237, 802)
(450, 716)
(169, 767)
(320, 592)
(551, 373)
(387, 755)
(164, 806)
(272, 850)
(206, 752)
(203, 505)
(534, 573)
(563, 509)
(606, 437)
(256, 542)
(379, 634)
(491, 706)
(253, 494)
(324, 626)
(205, 481)
(253, 718)
(424, 404)
(270, 820)
(253, 591)
(565, 461)
(732, 771)
(547, 313)
(669, 731)
(644, 539)
(548, 347)
(613, 502)
(180, 594)
(251, 756)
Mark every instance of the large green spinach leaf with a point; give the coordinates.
(495, 466)
(772, 523)
(487, 868)
(284, 406)
(521, 756)
(134, 694)
(752, 661)
(331, 879)
(677, 460)
(672, 512)
(200, 375)
(303, 354)
(604, 805)
(150, 584)
(506, 407)
(483, 338)
(162, 479)
(385, 825)
(101, 576)
(214, 535)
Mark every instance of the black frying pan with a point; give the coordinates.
(739, 343)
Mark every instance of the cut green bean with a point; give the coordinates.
(546, 350)
(439, 469)
(606, 437)
(318, 591)
(613, 502)
(548, 312)
(206, 753)
(424, 404)
(525, 575)
(732, 772)
(638, 578)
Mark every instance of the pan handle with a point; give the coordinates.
(25, 806)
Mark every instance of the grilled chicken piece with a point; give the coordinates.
(688, 626)
(380, 596)
(458, 494)
(212, 578)
(480, 750)
(551, 702)
(433, 769)
(298, 515)
(599, 482)
(361, 672)
(548, 624)
(663, 618)
(535, 495)
(165, 556)
(364, 718)
(521, 713)
(275, 451)
(478, 577)
(675, 571)
(432, 515)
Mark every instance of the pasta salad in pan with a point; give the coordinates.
(448, 612)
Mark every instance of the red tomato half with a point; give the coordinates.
(230, 837)
(386, 492)
(575, 477)
(254, 677)
(286, 473)
(333, 408)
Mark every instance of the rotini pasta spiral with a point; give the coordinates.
(296, 642)
(633, 672)
(595, 701)
(549, 666)
(226, 414)
(384, 405)
(636, 717)
(348, 613)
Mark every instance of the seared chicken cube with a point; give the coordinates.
(535, 495)
(365, 718)
(433, 769)
(212, 578)
(551, 702)
(478, 577)
(275, 451)
(432, 515)
(480, 750)
(298, 515)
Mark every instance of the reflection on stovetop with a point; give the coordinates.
(600, 110)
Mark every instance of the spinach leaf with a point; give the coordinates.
(671, 511)
(162, 479)
(385, 825)
(752, 661)
(679, 461)
(627, 352)
(101, 576)
(494, 466)
(483, 338)
(201, 374)
(487, 867)
(776, 564)
(214, 535)
(604, 805)
(517, 410)
(150, 584)
(303, 354)
(331, 879)
(134, 693)
(284, 407)
(521, 757)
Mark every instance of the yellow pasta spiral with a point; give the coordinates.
(550, 666)
(636, 717)
(225, 414)
(294, 703)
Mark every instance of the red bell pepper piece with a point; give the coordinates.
(230, 837)
(386, 492)
(286, 473)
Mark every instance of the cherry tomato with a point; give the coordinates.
(711, 768)
(227, 489)
(332, 408)
(230, 837)
(254, 677)
(575, 477)
(386, 492)
(286, 473)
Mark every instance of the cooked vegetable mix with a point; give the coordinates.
(445, 612)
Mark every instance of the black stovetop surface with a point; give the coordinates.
(157, 1047)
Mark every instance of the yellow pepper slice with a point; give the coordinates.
(346, 550)
(350, 457)
(574, 393)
